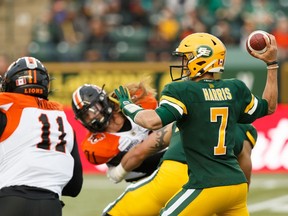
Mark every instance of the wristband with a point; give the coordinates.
(272, 63)
(131, 110)
(119, 173)
(120, 170)
(272, 67)
(116, 174)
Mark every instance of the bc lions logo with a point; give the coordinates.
(94, 138)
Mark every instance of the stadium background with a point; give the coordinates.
(113, 42)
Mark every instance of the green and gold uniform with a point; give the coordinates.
(148, 196)
(207, 113)
(244, 132)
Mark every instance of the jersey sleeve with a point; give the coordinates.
(244, 132)
(74, 186)
(251, 134)
(170, 107)
(99, 148)
(253, 107)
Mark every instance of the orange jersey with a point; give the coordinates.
(109, 148)
(102, 147)
(12, 105)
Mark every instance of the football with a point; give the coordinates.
(256, 42)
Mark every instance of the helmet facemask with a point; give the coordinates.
(181, 70)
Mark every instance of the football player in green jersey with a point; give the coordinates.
(147, 197)
(206, 111)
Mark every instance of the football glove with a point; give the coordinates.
(126, 105)
(116, 174)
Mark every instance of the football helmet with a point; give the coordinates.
(91, 106)
(27, 75)
(200, 53)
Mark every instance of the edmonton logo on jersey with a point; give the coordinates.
(204, 51)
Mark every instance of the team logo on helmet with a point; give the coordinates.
(205, 51)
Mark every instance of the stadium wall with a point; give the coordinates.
(68, 76)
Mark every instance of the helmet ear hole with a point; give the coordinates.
(201, 63)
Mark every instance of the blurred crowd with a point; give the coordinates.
(147, 30)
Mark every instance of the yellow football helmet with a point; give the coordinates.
(200, 53)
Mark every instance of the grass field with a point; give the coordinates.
(268, 196)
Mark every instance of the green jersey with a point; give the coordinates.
(243, 132)
(207, 113)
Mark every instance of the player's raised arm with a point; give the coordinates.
(270, 92)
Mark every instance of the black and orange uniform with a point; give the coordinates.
(39, 158)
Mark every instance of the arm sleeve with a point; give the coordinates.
(171, 108)
(167, 115)
(74, 186)
(252, 135)
(253, 107)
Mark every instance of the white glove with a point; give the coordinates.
(116, 174)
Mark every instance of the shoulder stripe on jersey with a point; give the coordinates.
(6, 106)
(250, 109)
(179, 109)
(251, 138)
(254, 107)
(174, 103)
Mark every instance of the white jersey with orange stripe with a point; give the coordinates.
(36, 143)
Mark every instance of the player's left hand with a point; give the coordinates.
(123, 96)
(126, 105)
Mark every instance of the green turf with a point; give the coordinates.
(268, 196)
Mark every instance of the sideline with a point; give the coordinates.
(279, 204)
